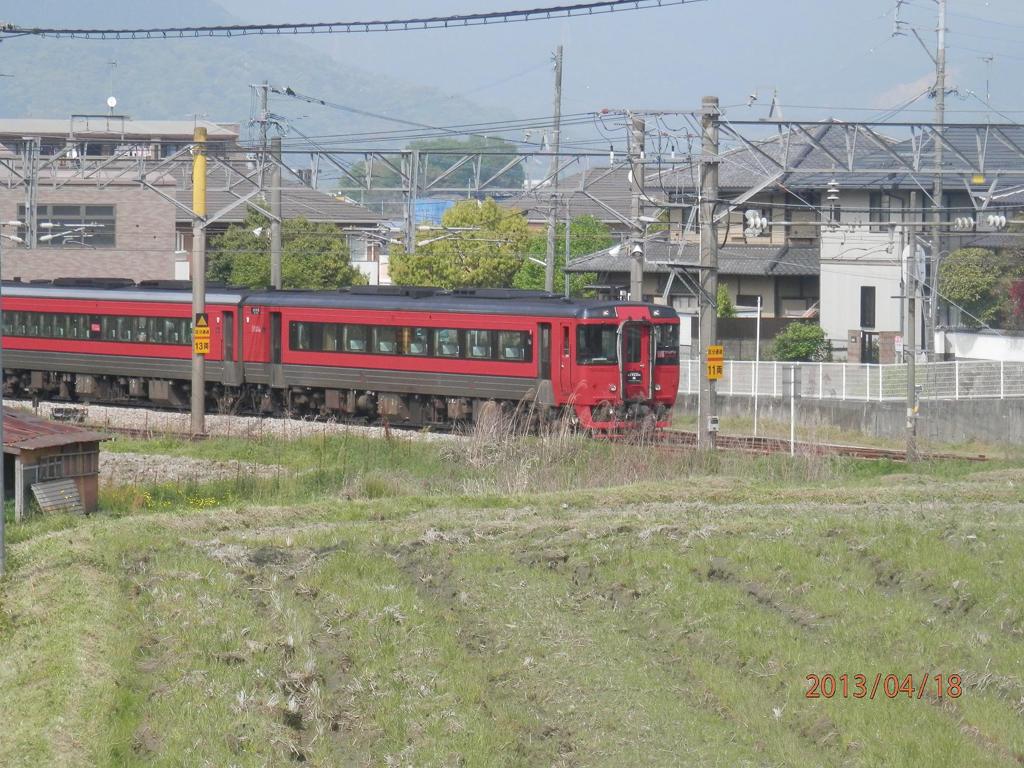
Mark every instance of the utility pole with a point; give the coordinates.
(637, 133)
(939, 119)
(198, 275)
(565, 273)
(707, 407)
(264, 118)
(31, 188)
(275, 209)
(410, 210)
(549, 264)
(910, 341)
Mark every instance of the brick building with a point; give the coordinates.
(112, 197)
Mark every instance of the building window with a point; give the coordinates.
(49, 468)
(73, 226)
(867, 306)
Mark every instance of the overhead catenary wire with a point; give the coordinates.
(544, 13)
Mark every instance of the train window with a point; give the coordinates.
(156, 330)
(446, 342)
(417, 341)
(479, 344)
(666, 344)
(632, 337)
(141, 329)
(77, 326)
(356, 338)
(330, 338)
(33, 323)
(596, 344)
(512, 345)
(300, 336)
(385, 340)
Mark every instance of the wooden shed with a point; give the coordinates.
(57, 463)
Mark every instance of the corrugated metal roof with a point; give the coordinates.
(732, 260)
(24, 431)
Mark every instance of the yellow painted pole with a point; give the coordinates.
(198, 274)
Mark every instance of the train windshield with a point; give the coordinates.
(596, 344)
(667, 341)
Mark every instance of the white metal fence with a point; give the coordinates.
(959, 380)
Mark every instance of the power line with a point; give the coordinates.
(345, 27)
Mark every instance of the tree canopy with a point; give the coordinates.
(586, 235)
(802, 342)
(485, 250)
(313, 255)
(724, 303)
(980, 281)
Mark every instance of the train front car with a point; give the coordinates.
(623, 365)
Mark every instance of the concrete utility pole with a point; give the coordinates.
(264, 118)
(549, 264)
(198, 275)
(707, 407)
(910, 341)
(410, 210)
(637, 133)
(939, 119)
(275, 209)
(565, 274)
(31, 188)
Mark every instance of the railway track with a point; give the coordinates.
(673, 438)
(669, 439)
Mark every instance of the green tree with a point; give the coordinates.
(487, 253)
(802, 342)
(313, 255)
(980, 281)
(587, 234)
(724, 303)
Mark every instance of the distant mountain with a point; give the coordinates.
(174, 79)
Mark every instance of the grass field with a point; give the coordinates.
(529, 604)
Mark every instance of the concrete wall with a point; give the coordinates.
(945, 421)
(144, 232)
(980, 346)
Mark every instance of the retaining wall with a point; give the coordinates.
(947, 421)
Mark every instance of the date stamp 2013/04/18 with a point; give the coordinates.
(889, 686)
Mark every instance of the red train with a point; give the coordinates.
(409, 355)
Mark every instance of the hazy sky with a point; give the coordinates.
(829, 54)
(825, 58)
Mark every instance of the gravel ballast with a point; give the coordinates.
(160, 423)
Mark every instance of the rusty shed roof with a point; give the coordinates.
(24, 431)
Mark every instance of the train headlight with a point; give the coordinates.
(612, 388)
(657, 387)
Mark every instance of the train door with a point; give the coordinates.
(232, 368)
(544, 358)
(636, 361)
(276, 372)
(565, 362)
